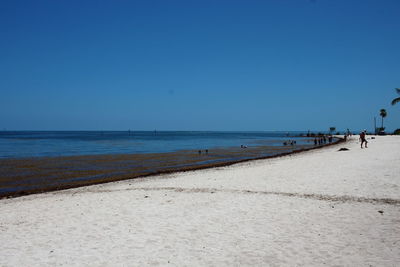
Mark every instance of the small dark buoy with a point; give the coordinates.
(380, 211)
(343, 149)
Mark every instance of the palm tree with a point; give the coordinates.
(383, 114)
(396, 100)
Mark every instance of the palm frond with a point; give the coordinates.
(395, 101)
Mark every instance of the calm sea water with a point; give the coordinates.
(37, 144)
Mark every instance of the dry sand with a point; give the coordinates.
(321, 207)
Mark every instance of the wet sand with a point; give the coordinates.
(34, 175)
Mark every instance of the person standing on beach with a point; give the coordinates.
(363, 139)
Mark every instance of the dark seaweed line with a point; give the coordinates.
(330, 198)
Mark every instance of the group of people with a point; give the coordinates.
(323, 140)
(289, 142)
(205, 151)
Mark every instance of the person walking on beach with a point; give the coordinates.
(363, 139)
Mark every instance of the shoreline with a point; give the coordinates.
(24, 184)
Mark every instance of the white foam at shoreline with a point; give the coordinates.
(321, 207)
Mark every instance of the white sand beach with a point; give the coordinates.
(317, 208)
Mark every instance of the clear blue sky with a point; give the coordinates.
(198, 65)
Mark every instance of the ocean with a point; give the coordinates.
(22, 144)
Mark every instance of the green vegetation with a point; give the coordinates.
(396, 100)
